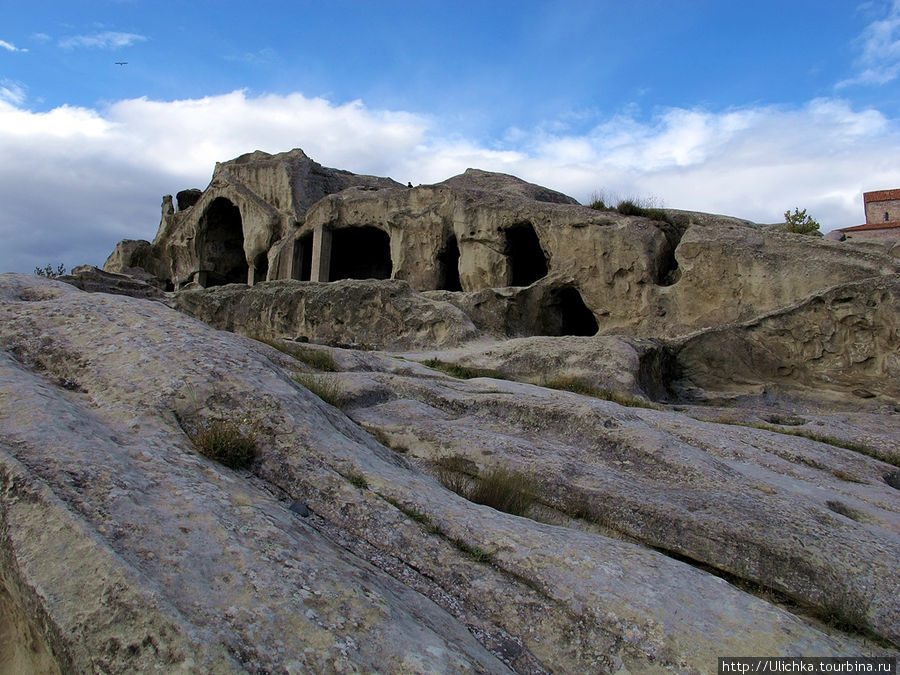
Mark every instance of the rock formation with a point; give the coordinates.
(122, 549)
(698, 416)
(286, 217)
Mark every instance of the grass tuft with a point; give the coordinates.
(224, 442)
(322, 386)
(357, 480)
(478, 554)
(631, 207)
(314, 358)
(504, 490)
(500, 488)
(463, 372)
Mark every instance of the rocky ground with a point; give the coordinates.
(672, 522)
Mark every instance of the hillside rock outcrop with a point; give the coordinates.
(363, 314)
(179, 563)
(277, 217)
(844, 339)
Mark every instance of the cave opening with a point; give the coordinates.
(564, 313)
(448, 266)
(301, 265)
(527, 262)
(222, 233)
(360, 253)
(261, 267)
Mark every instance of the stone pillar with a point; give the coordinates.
(201, 279)
(321, 254)
(251, 275)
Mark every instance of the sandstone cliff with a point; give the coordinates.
(273, 217)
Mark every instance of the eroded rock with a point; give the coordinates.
(187, 564)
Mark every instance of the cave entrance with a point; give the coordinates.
(448, 266)
(301, 265)
(222, 232)
(360, 253)
(564, 313)
(260, 267)
(527, 262)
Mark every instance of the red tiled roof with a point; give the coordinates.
(871, 226)
(880, 196)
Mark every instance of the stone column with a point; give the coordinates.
(321, 254)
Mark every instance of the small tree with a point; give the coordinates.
(49, 272)
(800, 222)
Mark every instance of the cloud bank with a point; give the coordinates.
(74, 180)
(103, 40)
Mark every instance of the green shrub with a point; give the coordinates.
(799, 222)
(324, 387)
(224, 442)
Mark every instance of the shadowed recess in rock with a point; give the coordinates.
(527, 262)
(564, 313)
(448, 266)
(302, 263)
(222, 234)
(360, 253)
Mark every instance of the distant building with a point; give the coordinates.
(882, 209)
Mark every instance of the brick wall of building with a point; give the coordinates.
(882, 206)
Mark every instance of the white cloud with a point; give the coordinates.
(12, 92)
(879, 62)
(104, 40)
(8, 46)
(74, 180)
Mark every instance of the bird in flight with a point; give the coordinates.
(121, 63)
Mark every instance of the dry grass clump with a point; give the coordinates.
(463, 372)
(357, 480)
(314, 358)
(504, 490)
(322, 386)
(500, 488)
(223, 441)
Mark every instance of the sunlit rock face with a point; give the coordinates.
(271, 217)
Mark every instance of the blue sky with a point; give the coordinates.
(744, 108)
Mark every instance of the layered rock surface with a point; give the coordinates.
(661, 274)
(642, 514)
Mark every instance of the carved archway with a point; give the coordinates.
(222, 255)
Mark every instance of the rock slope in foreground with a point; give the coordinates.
(122, 549)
